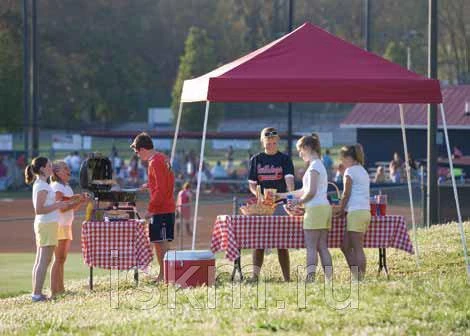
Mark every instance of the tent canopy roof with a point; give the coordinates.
(311, 65)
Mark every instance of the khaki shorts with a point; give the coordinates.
(317, 217)
(64, 232)
(46, 234)
(358, 220)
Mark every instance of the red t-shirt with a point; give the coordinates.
(161, 182)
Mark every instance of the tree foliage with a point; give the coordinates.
(107, 61)
(197, 59)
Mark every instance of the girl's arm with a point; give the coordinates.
(41, 209)
(252, 185)
(346, 193)
(296, 193)
(59, 196)
(289, 182)
(312, 188)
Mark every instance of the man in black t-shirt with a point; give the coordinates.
(271, 169)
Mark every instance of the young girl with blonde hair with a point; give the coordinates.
(60, 185)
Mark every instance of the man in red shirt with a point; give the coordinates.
(161, 208)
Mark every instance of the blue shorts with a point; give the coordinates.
(162, 227)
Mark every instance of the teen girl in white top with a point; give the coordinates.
(45, 221)
(317, 217)
(355, 201)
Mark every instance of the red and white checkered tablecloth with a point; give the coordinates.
(232, 233)
(116, 245)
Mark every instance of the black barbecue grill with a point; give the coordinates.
(96, 176)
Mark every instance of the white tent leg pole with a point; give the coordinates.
(175, 137)
(408, 174)
(456, 196)
(199, 175)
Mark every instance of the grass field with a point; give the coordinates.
(432, 299)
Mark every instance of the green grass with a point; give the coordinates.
(432, 299)
(16, 276)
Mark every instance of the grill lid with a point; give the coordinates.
(96, 173)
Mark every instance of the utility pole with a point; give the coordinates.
(289, 105)
(432, 210)
(367, 25)
(26, 84)
(35, 140)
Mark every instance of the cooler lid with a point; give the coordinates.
(189, 255)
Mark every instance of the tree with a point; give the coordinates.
(11, 83)
(396, 53)
(197, 59)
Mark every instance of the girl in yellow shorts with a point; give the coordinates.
(45, 221)
(60, 185)
(355, 201)
(317, 217)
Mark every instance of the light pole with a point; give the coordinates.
(367, 25)
(35, 140)
(289, 105)
(431, 192)
(26, 83)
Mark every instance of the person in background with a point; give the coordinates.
(218, 172)
(414, 166)
(133, 170)
(183, 207)
(63, 191)
(339, 174)
(117, 163)
(75, 162)
(379, 175)
(395, 168)
(45, 221)
(456, 153)
(271, 169)
(162, 205)
(313, 196)
(328, 163)
(356, 201)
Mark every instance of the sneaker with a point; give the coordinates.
(310, 278)
(39, 298)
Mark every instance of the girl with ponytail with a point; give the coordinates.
(45, 221)
(356, 201)
(313, 196)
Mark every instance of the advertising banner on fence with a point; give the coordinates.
(6, 142)
(66, 141)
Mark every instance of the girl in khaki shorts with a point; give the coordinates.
(317, 217)
(355, 201)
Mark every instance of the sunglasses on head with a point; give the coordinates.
(270, 133)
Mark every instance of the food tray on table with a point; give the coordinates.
(116, 215)
(257, 210)
(294, 210)
(262, 205)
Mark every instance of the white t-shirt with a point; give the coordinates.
(65, 218)
(322, 183)
(360, 193)
(52, 216)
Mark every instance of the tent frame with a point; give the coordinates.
(407, 167)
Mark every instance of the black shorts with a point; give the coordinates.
(161, 227)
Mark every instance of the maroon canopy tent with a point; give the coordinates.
(312, 65)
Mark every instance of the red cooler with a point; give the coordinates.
(190, 268)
